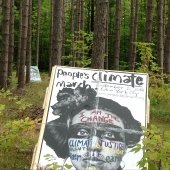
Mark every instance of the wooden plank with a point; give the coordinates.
(35, 149)
(45, 99)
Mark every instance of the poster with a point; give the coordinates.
(93, 120)
(34, 74)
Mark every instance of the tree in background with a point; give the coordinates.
(80, 28)
(72, 33)
(106, 64)
(24, 32)
(11, 42)
(92, 15)
(51, 31)
(133, 33)
(5, 44)
(160, 34)
(57, 32)
(149, 20)
(167, 45)
(19, 39)
(38, 32)
(131, 58)
(98, 50)
(117, 35)
(64, 27)
(29, 44)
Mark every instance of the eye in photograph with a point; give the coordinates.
(83, 133)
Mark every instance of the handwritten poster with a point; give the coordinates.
(94, 119)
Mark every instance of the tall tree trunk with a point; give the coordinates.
(80, 27)
(160, 37)
(38, 31)
(64, 27)
(111, 39)
(0, 7)
(57, 35)
(77, 31)
(0, 27)
(5, 44)
(87, 24)
(29, 42)
(51, 32)
(117, 35)
(72, 32)
(24, 31)
(19, 39)
(135, 29)
(78, 15)
(98, 50)
(131, 57)
(167, 45)
(11, 42)
(134, 18)
(82, 15)
(149, 21)
(92, 15)
(107, 40)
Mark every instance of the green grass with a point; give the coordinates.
(31, 99)
(162, 125)
(160, 103)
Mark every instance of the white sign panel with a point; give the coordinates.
(93, 120)
(34, 73)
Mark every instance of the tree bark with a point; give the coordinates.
(29, 42)
(72, 32)
(134, 25)
(19, 40)
(98, 49)
(131, 57)
(92, 15)
(64, 27)
(117, 35)
(57, 35)
(106, 65)
(51, 32)
(160, 37)
(149, 19)
(24, 32)
(38, 31)
(5, 44)
(11, 42)
(167, 45)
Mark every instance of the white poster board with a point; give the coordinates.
(92, 120)
(34, 74)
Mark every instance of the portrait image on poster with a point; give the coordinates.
(94, 120)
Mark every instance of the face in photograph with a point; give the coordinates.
(94, 132)
(96, 139)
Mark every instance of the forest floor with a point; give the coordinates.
(21, 113)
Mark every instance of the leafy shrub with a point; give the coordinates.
(156, 149)
(17, 134)
(160, 102)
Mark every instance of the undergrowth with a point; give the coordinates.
(18, 130)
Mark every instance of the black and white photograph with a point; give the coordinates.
(94, 119)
